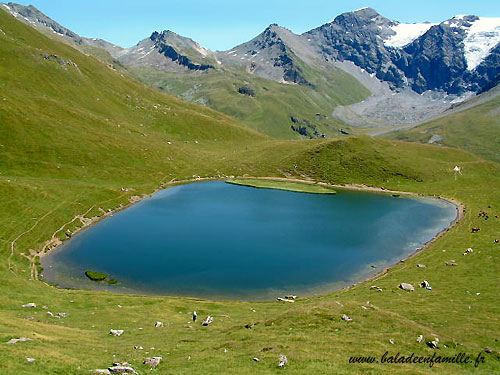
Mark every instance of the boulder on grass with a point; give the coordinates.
(406, 286)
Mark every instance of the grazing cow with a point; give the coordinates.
(475, 229)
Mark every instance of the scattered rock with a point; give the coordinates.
(421, 265)
(116, 332)
(20, 339)
(30, 360)
(256, 359)
(290, 296)
(29, 305)
(159, 324)
(209, 320)
(284, 299)
(420, 338)
(406, 286)
(100, 372)
(434, 344)
(468, 251)
(391, 341)
(138, 347)
(122, 369)
(153, 362)
(377, 288)
(451, 263)
(283, 360)
(62, 315)
(346, 318)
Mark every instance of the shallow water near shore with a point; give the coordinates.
(220, 241)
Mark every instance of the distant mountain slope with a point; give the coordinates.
(413, 71)
(64, 113)
(473, 126)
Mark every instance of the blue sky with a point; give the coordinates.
(222, 24)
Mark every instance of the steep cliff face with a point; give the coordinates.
(267, 55)
(455, 56)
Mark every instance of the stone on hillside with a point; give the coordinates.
(20, 339)
(346, 318)
(468, 251)
(391, 341)
(406, 286)
(121, 369)
(283, 360)
(451, 263)
(100, 372)
(284, 299)
(153, 362)
(159, 324)
(116, 332)
(376, 288)
(30, 360)
(421, 265)
(256, 359)
(29, 305)
(434, 344)
(209, 320)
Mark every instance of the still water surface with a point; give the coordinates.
(222, 241)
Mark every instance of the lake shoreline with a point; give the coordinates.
(460, 209)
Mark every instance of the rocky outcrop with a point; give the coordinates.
(169, 52)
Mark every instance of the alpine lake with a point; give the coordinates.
(215, 240)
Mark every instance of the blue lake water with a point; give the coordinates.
(221, 241)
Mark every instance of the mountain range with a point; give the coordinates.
(386, 73)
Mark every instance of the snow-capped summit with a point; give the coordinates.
(482, 36)
(405, 33)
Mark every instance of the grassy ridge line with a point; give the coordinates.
(97, 159)
(299, 187)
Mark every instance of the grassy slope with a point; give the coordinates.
(299, 187)
(475, 129)
(270, 110)
(62, 154)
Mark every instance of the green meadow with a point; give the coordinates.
(78, 139)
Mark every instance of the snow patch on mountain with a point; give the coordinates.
(482, 37)
(407, 33)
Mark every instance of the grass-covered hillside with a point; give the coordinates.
(266, 105)
(476, 128)
(78, 139)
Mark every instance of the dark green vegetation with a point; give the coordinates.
(265, 105)
(473, 129)
(96, 276)
(76, 141)
(299, 187)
